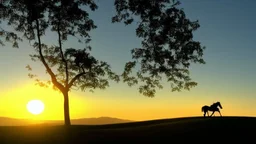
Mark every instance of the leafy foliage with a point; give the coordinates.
(75, 67)
(85, 72)
(168, 48)
(4, 34)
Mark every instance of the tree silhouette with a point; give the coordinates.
(6, 35)
(74, 67)
(167, 44)
(167, 49)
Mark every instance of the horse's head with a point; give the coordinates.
(218, 104)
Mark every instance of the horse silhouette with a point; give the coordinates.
(213, 108)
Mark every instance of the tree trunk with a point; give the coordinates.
(66, 109)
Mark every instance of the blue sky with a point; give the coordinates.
(227, 31)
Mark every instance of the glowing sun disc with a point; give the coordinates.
(35, 107)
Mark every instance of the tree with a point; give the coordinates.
(6, 35)
(74, 67)
(167, 44)
(167, 49)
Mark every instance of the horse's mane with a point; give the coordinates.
(216, 103)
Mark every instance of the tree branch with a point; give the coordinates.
(74, 79)
(54, 80)
(62, 55)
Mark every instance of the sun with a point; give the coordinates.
(35, 106)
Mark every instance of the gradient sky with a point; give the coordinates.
(227, 30)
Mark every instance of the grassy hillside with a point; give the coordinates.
(5, 121)
(194, 129)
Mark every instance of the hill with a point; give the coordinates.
(179, 130)
(98, 121)
(4, 121)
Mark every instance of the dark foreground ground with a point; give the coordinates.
(182, 130)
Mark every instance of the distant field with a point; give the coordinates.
(179, 130)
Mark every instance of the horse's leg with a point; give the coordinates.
(212, 113)
(219, 113)
(205, 113)
(208, 113)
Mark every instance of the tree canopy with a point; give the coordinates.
(166, 52)
(167, 49)
(5, 35)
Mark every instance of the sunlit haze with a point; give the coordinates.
(227, 30)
